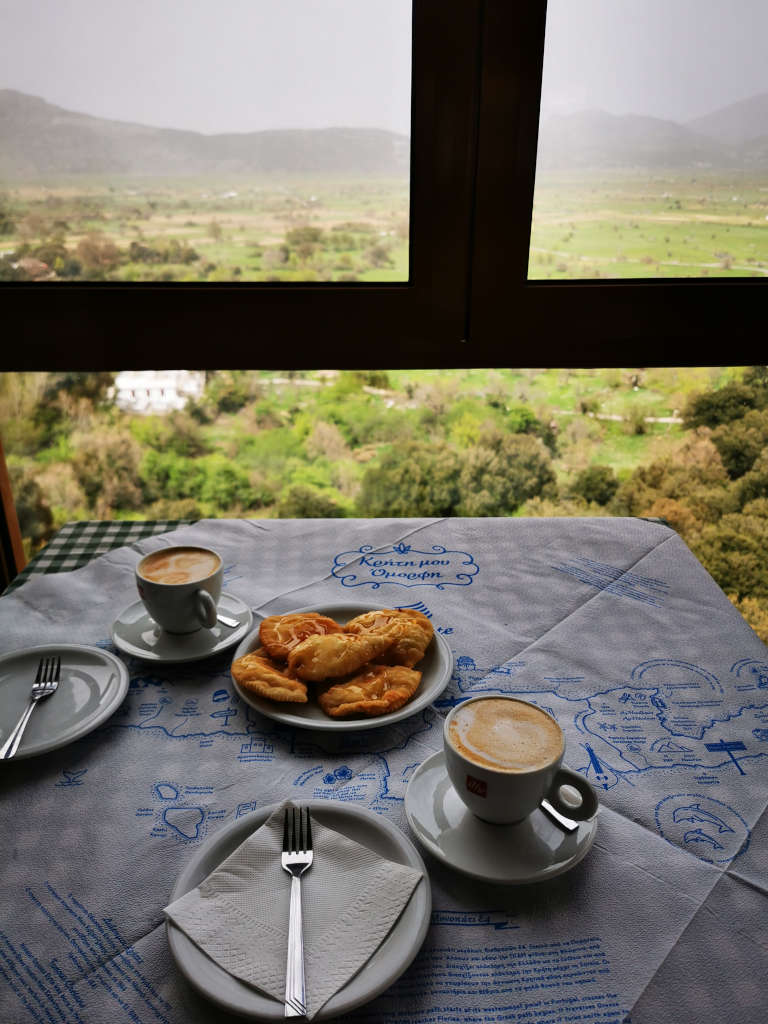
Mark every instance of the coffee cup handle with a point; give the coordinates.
(589, 803)
(205, 607)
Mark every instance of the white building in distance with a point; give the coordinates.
(156, 391)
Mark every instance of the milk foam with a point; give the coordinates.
(505, 735)
(179, 565)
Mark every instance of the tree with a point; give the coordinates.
(106, 464)
(325, 439)
(7, 224)
(33, 511)
(230, 390)
(69, 400)
(93, 386)
(303, 502)
(416, 479)
(756, 376)
(178, 432)
(695, 469)
(225, 485)
(728, 403)
(754, 484)
(733, 551)
(502, 472)
(742, 441)
(596, 483)
(98, 256)
(522, 420)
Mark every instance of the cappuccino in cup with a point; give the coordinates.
(179, 565)
(504, 756)
(506, 735)
(180, 587)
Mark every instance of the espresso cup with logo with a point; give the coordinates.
(180, 587)
(504, 756)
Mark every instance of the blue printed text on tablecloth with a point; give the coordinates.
(405, 566)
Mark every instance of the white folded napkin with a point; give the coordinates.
(351, 898)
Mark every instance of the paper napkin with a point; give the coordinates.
(351, 898)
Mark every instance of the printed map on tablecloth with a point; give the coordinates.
(667, 715)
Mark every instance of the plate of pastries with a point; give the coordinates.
(342, 666)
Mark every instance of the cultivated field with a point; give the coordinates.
(201, 230)
(623, 225)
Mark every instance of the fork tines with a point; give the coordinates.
(297, 830)
(49, 670)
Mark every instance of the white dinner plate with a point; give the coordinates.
(386, 965)
(531, 851)
(435, 667)
(135, 633)
(92, 686)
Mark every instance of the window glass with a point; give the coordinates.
(652, 158)
(245, 140)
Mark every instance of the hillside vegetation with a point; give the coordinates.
(688, 445)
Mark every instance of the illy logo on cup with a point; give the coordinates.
(477, 786)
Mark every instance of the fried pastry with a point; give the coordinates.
(279, 634)
(377, 690)
(337, 654)
(410, 631)
(257, 673)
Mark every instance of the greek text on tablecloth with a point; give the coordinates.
(405, 566)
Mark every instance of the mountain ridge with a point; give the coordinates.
(739, 122)
(734, 136)
(38, 138)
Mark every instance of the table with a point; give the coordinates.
(610, 624)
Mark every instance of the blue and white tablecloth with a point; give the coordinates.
(610, 624)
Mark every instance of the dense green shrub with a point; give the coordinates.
(32, 509)
(106, 464)
(415, 479)
(503, 471)
(728, 403)
(596, 483)
(303, 502)
(742, 441)
(178, 433)
(733, 551)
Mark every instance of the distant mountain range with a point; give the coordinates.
(735, 136)
(38, 139)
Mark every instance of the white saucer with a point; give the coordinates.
(386, 965)
(531, 851)
(93, 686)
(135, 633)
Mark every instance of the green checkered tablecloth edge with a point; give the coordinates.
(76, 543)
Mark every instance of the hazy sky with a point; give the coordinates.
(214, 65)
(676, 59)
(245, 65)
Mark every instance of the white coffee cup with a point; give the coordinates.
(181, 586)
(504, 756)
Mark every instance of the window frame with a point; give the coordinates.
(580, 323)
(476, 74)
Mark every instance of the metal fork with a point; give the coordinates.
(296, 858)
(46, 681)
